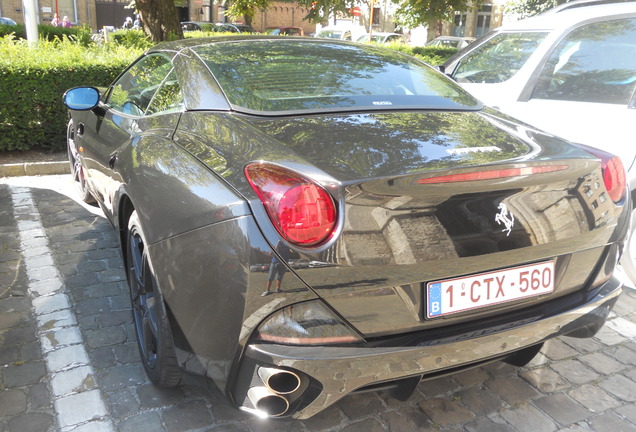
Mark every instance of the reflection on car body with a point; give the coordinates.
(338, 171)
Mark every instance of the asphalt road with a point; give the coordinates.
(69, 362)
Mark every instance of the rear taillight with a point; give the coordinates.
(301, 210)
(614, 178)
(613, 173)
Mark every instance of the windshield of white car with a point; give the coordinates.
(268, 76)
(498, 59)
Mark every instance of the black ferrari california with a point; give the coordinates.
(303, 219)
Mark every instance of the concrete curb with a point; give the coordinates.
(34, 169)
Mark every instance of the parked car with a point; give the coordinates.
(285, 31)
(7, 21)
(233, 28)
(197, 26)
(439, 234)
(571, 72)
(339, 33)
(381, 37)
(458, 42)
(216, 27)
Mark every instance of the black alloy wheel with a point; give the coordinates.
(154, 339)
(77, 170)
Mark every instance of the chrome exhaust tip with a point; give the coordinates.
(279, 381)
(267, 402)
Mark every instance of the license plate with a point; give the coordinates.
(451, 296)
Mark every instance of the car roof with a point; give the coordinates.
(453, 38)
(565, 18)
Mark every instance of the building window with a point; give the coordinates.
(459, 24)
(67, 8)
(483, 20)
(482, 25)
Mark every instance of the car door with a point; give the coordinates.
(118, 121)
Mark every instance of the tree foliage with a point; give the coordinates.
(410, 13)
(528, 8)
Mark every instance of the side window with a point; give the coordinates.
(594, 63)
(133, 91)
(168, 98)
(498, 59)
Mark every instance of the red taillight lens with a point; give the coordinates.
(301, 210)
(613, 171)
(614, 178)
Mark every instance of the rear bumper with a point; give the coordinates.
(335, 372)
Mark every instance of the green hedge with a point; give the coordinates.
(432, 55)
(34, 79)
(46, 32)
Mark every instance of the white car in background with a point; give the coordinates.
(381, 37)
(570, 71)
(459, 42)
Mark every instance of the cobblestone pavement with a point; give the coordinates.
(68, 359)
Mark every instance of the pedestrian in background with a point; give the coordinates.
(66, 22)
(55, 22)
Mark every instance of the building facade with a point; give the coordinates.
(78, 11)
(100, 13)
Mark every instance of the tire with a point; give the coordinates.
(77, 170)
(154, 339)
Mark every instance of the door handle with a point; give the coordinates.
(80, 129)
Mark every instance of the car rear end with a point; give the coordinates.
(437, 235)
(428, 273)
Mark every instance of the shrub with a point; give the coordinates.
(35, 78)
(45, 32)
(135, 39)
(432, 55)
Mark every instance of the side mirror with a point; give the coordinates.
(81, 98)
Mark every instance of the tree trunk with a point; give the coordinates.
(159, 19)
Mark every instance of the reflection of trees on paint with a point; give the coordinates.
(392, 143)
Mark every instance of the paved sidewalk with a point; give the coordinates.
(574, 384)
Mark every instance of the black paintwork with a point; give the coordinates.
(208, 235)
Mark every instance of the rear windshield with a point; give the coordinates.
(282, 76)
